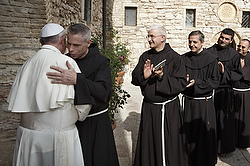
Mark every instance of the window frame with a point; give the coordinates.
(86, 10)
(194, 16)
(125, 21)
(247, 13)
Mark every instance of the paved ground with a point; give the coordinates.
(128, 121)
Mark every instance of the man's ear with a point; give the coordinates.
(232, 40)
(163, 37)
(63, 38)
(63, 41)
(89, 42)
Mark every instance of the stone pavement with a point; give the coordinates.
(128, 120)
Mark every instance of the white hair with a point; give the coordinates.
(160, 28)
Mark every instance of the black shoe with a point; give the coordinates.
(222, 154)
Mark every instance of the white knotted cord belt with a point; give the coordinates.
(241, 90)
(162, 127)
(194, 98)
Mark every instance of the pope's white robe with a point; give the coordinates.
(47, 134)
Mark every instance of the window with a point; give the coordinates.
(130, 15)
(86, 10)
(245, 19)
(190, 17)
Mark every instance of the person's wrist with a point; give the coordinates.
(75, 79)
(160, 77)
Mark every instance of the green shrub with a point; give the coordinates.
(118, 53)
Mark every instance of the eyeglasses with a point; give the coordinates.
(152, 36)
(241, 46)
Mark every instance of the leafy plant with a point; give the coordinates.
(118, 54)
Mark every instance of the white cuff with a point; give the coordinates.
(83, 111)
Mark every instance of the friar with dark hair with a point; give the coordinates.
(199, 112)
(230, 72)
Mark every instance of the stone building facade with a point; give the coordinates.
(22, 20)
(211, 16)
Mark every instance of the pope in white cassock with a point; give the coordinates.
(47, 135)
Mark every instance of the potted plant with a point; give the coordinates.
(118, 54)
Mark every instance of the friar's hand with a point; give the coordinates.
(147, 70)
(221, 67)
(67, 77)
(242, 62)
(191, 83)
(159, 72)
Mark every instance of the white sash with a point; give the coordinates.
(98, 113)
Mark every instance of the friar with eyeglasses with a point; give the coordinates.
(241, 91)
(160, 140)
(230, 72)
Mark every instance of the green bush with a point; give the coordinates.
(118, 54)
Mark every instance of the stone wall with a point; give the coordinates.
(64, 12)
(21, 21)
(67, 12)
(171, 14)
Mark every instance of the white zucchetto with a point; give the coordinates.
(51, 29)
